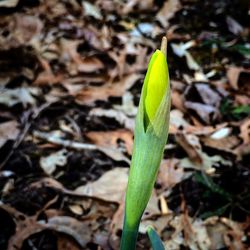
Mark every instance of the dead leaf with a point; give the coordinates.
(110, 186)
(110, 139)
(49, 163)
(207, 163)
(208, 95)
(245, 131)
(181, 50)
(233, 75)
(234, 26)
(11, 97)
(170, 174)
(9, 3)
(64, 243)
(224, 232)
(91, 10)
(227, 144)
(206, 112)
(8, 131)
(28, 29)
(191, 144)
(188, 232)
(168, 11)
(127, 122)
(74, 61)
(91, 94)
(127, 106)
(79, 230)
(221, 133)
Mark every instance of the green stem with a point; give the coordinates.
(129, 236)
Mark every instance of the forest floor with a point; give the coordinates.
(71, 73)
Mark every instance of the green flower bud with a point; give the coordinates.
(151, 131)
(156, 83)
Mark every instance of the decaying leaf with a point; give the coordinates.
(207, 163)
(11, 97)
(70, 226)
(111, 139)
(110, 187)
(9, 3)
(8, 131)
(233, 75)
(49, 163)
(170, 174)
(167, 11)
(91, 94)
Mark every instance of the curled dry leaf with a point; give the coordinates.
(49, 163)
(191, 144)
(224, 232)
(188, 232)
(119, 116)
(206, 112)
(245, 131)
(79, 230)
(11, 97)
(171, 174)
(91, 94)
(168, 11)
(8, 131)
(9, 3)
(110, 186)
(207, 163)
(110, 139)
(233, 75)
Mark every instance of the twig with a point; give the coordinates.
(66, 143)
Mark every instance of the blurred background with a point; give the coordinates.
(71, 73)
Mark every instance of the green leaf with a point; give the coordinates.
(245, 109)
(155, 240)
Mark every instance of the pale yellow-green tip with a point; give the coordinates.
(156, 84)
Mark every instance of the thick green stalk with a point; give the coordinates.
(129, 236)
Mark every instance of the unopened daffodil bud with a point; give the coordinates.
(156, 83)
(151, 131)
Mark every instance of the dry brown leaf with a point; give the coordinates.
(225, 144)
(90, 64)
(170, 174)
(28, 29)
(110, 186)
(79, 230)
(206, 112)
(50, 162)
(9, 3)
(110, 139)
(191, 144)
(168, 11)
(91, 94)
(8, 131)
(187, 232)
(207, 163)
(224, 232)
(64, 243)
(233, 75)
(74, 61)
(245, 131)
(123, 119)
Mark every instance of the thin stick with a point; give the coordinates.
(164, 44)
(66, 143)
